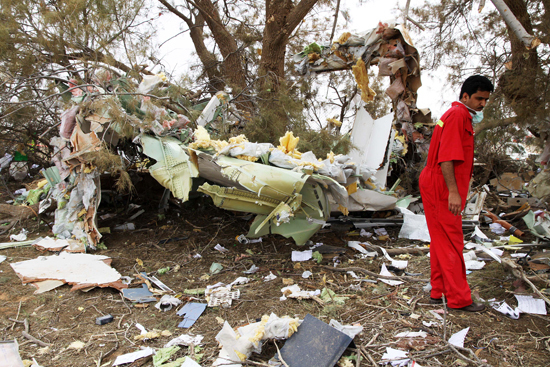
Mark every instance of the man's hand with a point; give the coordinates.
(455, 203)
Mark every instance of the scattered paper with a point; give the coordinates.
(294, 291)
(384, 271)
(240, 280)
(457, 339)
(505, 309)
(497, 251)
(302, 255)
(470, 255)
(220, 248)
(474, 264)
(167, 302)
(306, 274)
(270, 277)
(412, 334)
(185, 339)
(381, 232)
(132, 357)
(497, 228)
(22, 236)
(414, 226)
(528, 304)
(349, 330)
(394, 356)
(2, 258)
(399, 264)
(479, 234)
(353, 275)
(215, 268)
(519, 254)
(430, 324)
(9, 354)
(436, 315)
(364, 233)
(364, 253)
(252, 269)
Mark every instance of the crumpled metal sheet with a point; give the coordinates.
(173, 169)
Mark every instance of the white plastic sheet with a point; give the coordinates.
(414, 226)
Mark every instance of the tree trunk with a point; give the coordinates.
(520, 85)
(232, 67)
(208, 59)
(513, 24)
(281, 18)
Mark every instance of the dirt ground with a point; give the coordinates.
(61, 317)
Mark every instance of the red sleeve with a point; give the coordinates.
(450, 146)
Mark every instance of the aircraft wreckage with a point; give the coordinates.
(292, 193)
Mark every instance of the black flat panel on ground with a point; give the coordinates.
(315, 344)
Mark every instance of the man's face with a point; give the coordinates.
(476, 101)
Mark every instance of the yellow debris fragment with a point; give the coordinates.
(247, 158)
(334, 122)
(343, 210)
(149, 335)
(362, 78)
(288, 142)
(330, 156)
(352, 188)
(241, 356)
(41, 183)
(343, 38)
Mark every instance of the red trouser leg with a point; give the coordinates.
(448, 272)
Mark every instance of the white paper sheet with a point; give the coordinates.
(457, 339)
(496, 228)
(528, 304)
(302, 255)
(399, 264)
(395, 356)
(384, 271)
(474, 264)
(270, 277)
(220, 248)
(519, 254)
(504, 308)
(190, 363)
(131, 357)
(414, 226)
(412, 334)
(480, 234)
(497, 251)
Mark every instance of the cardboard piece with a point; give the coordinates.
(191, 312)
(508, 181)
(52, 244)
(315, 344)
(79, 270)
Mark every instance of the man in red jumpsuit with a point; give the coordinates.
(444, 186)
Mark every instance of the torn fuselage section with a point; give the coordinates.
(286, 202)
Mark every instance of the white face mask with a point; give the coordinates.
(477, 117)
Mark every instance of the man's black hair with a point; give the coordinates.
(476, 83)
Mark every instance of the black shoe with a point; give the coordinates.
(474, 307)
(436, 301)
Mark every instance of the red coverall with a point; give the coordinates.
(452, 140)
